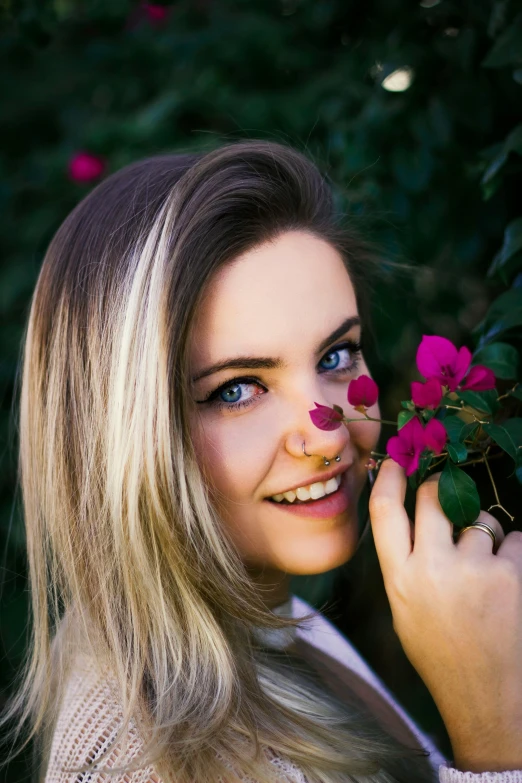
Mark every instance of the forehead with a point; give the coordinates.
(292, 291)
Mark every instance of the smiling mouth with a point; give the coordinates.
(295, 501)
(298, 502)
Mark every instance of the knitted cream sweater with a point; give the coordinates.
(89, 718)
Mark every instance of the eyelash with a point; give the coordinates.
(353, 346)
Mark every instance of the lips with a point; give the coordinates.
(326, 507)
(325, 476)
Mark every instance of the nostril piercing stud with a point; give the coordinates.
(325, 460)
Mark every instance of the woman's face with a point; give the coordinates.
(278, 331)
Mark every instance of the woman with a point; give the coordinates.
(188, 314)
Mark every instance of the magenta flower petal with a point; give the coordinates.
(438, 358)
(399, 452)
(461, 365)
(407, 446)
(326, 418)
(435, 435)
(413, 432)
(433, 354)
(426, 395)
(479, 378)
(363, 391)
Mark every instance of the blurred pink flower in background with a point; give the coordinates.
(86, 167)
(156, 13)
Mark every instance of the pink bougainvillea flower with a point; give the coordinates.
(326, 418)
(438, 358)
(407, 446)
(435, 435)
(86, 167)
(363, 391)
(426, 395)
(479, 378)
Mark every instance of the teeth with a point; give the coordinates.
(311, 492)
(331, 485)
(319, 489)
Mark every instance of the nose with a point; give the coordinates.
(304, 439)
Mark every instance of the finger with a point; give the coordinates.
(511, 548)
(432, 526)
(478, 542)
(389, 520)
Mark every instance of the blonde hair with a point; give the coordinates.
(126, 550)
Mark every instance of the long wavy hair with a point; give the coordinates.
(125, 546)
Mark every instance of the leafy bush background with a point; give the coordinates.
(432, 174)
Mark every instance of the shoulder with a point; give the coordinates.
(88, 723)
(349, 675)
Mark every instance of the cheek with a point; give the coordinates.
(233, 457)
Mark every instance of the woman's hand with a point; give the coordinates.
(457, 610)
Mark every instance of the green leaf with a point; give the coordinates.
(458, 452)
(512, 143)
(507, 49)
(502, 358)
(482, 400)
(507, 435)
(404, 417)
(408, 404)
(458, 495)
(504, 313)
(468, 430)
(424, 463)
(413, 480)
(510, 250)
(516, 392)
(453, 427)
(494, 167)
(447, 400)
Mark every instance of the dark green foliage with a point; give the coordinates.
(458, 495)
(432, 173)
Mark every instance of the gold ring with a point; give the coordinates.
(481, 526)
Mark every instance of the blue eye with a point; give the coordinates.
(231, 393)
(237, 393)
(343, 358)
(330, 361)
(241, 392)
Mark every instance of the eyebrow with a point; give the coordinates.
(267, 363)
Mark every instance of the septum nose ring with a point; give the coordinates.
(327, 462)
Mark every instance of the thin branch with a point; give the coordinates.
(498, 503)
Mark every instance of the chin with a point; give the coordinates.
(321, 553)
